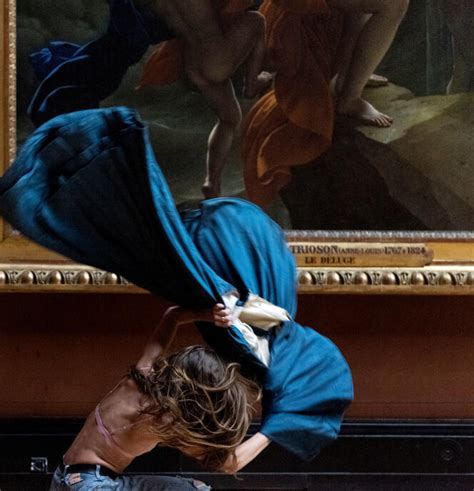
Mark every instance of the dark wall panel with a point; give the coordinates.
(412, 357)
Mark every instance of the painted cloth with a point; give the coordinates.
(293, 123)
(77, 77)
(87, 185)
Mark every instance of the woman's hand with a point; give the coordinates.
(245, 453)
(222, 316)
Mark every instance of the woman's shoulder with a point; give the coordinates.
(125, 397)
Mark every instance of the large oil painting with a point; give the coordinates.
(310, 165)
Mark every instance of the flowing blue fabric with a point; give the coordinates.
(77, 77)
(87, 185)
(248, 249)
(308, 384)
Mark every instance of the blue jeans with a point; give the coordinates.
(90, 480)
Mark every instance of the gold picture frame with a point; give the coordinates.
(441, 262)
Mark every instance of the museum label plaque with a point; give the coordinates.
(360, 254)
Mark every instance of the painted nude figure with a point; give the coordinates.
(212, 53)
(86, 75)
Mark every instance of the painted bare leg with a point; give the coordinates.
(372, 44)
(353, 25)
(256, 80)
(221, 98)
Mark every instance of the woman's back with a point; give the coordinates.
(116, 431)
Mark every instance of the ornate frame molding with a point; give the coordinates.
(26, 267)
(60, 277)
(378, 235)
(11, 147)
(431, 280)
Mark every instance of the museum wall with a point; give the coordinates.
(412, 357)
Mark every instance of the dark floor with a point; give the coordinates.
(377, 455)
(293, 482)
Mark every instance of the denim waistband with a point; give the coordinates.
(103, 471)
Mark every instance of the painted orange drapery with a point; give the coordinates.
(165, 64)
(293, 123)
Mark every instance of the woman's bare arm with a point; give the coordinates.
(246, 452)
(175, 317)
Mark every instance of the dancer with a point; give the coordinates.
(75, 77)
(190, 400)
(80, 169)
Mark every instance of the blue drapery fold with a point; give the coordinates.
(76, 77)
(248, 249)
(87, 185)
(308, 384)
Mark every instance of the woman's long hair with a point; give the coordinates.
(200, 402)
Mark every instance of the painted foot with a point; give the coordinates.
(211, 190)
(377, 81)
(260, 84)
(364, 113)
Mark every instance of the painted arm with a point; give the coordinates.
(175, 317)
(246, 452)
